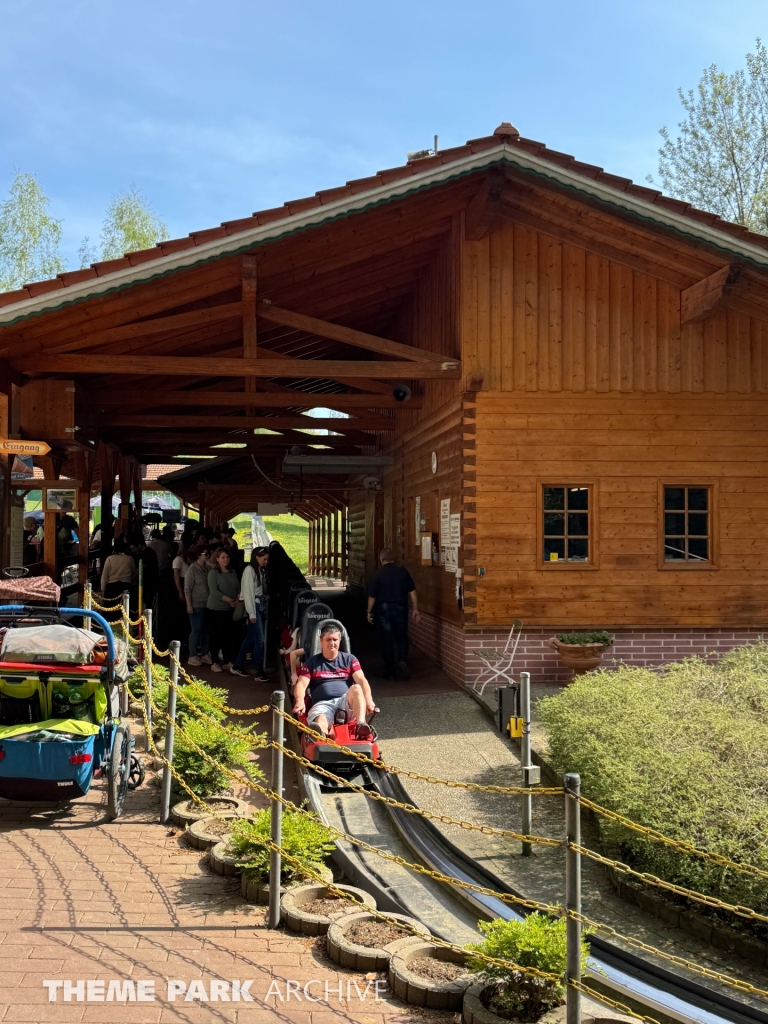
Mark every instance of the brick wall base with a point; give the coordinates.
(451, 647)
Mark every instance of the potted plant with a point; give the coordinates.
(539, 942)
(581, 651)
(207, 778)
(305, 840)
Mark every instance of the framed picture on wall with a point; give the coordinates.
(60, 499)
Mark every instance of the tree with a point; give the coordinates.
(29, 237)
(719, 161)
(130, 224)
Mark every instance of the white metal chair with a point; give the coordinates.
(497, 664)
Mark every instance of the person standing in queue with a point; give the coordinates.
(253, 595)
(223, 588)
(389, 594)
(196, 596)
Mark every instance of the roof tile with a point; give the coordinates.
(8, 298)
(325, 196)
(70, 277)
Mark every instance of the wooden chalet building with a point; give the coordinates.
(587, 437)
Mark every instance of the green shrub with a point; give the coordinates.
(683, 750)
(537, 941)
(202, 777)
(303, 836)
(595, 637)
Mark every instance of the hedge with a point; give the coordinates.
(683, 750)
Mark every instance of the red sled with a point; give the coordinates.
(344, 733)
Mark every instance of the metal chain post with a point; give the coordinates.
(88, 595)
(126, 600)
(148, 667)
(573, 897)
(170, 728)
(276, 832)
(525, 754)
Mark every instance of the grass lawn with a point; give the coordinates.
(293, 534)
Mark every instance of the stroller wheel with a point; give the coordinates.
(118, 770)
(137, 772)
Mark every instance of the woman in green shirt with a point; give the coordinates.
(223, 588)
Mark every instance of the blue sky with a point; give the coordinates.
(217, 109)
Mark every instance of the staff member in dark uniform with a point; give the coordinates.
(389, 593)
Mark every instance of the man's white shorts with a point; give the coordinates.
(328, 708)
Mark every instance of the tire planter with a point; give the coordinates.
(346, 953)
(187, 811)
(223, 861)
(256, 891)
(473, 1011)
(202, 839)
(299, 920)
(579, 657)
(420, 991)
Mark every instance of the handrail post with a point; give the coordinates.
(573, 897)
(148, 669)
(525, 754)
(276, 831)
(88, 595)
(165, 793)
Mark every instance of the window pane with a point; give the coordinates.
(698, 549)
(698, 523)
(578, 524)
(554, 550)
(697, 498)
(554, 523)
(674, 550)
(578, 497)
(674, 497)
(674, 524)
(554, 497)
(578, 550)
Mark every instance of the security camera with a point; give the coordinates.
(401, 393)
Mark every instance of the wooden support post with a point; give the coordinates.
(250, 337)
(310, 545)
(336, 563)
(107, 471)
(85, 463)
(50, 468)
(344, 544)
(138, 498)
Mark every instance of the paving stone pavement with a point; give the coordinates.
(84, 898)
(451, 736)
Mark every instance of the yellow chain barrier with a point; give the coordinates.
(271, 795)
(450, 783)
(706, 972)
(105, 607)
(678, 844)
(679, 890)
(390, 801)
(725, 979)
(212, 700)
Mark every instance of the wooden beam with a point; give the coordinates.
(707, 296)
(484, 206)
(249, 422)
(189, 366)
(268, 400)
(347, 335)
(250, 337)
(41, 483)
(174, 322)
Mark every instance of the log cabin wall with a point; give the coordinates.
(590, 379)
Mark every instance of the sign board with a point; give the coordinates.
(273, 508)
(426, 549)
(445, 521)
(455, 537)
(60, 499)
(171, 515)
(451, 559)
(13, 446)
(417, 519)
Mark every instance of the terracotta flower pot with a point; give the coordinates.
(580, 657)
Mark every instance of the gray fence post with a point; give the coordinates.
(170, 728)
(148, 667)
(525, 753)
(276, 832)
(573, 896)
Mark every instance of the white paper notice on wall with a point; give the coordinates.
(455, 536)
(451, 559)
(426, 547)
(417, 519)
(445, 521)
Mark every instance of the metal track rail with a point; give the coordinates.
(452, 913)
